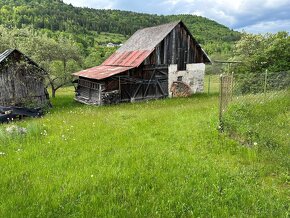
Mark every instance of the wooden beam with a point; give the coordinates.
(137, 90)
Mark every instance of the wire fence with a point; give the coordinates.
(212, 84)
(251, 89)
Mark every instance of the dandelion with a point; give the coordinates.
(2, 153)
(255, 143)
(92, 175)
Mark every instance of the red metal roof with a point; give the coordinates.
(128, 58)
(117, 63)
(102, 72)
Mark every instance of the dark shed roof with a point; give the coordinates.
(9, 52)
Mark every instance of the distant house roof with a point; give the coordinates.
(9, 52)
(134, 52)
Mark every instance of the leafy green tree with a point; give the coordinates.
(261, 52)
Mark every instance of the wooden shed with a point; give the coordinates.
(146, 67)
(21, 81)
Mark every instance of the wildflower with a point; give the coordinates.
(2, 153)
(255, 143)
(16, 130)
(92, 175)
(44, 133)
(63, 137)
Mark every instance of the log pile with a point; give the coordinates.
(180, 89)
(111, 97)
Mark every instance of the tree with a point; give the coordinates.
(261, 52)
(54, 55)
(67, 52)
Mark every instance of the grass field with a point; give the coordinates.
(153, 159)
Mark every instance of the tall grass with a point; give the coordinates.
(153, 159)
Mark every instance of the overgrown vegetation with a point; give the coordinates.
(263, 52)
(160, 158)
(266, 124)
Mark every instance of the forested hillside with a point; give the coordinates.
(87, 25)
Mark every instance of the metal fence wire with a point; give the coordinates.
(251, 89)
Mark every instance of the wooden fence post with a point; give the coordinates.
(221, 104)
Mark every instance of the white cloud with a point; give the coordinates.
(265, 27)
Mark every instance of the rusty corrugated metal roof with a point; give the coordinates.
(119, 62)
(102, 72)
(127, 58)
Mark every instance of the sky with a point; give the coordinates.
(254, 16)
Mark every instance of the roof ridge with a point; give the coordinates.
(160, 25)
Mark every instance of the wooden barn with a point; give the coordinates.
(154, 63)
(21, 81)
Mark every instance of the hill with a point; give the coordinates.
(87, 26)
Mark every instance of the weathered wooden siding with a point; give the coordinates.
(89, 91)
(177, 48)
(21, 86)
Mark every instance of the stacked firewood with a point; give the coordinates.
(111, 97)
(180, 89)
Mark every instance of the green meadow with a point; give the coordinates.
(162, 158)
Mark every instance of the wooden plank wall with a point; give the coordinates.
(177, 48)
(18, 88)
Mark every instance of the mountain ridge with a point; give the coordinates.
(55, 15)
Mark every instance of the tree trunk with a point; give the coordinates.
(53, 91)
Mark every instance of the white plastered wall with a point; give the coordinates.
(192, 76)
